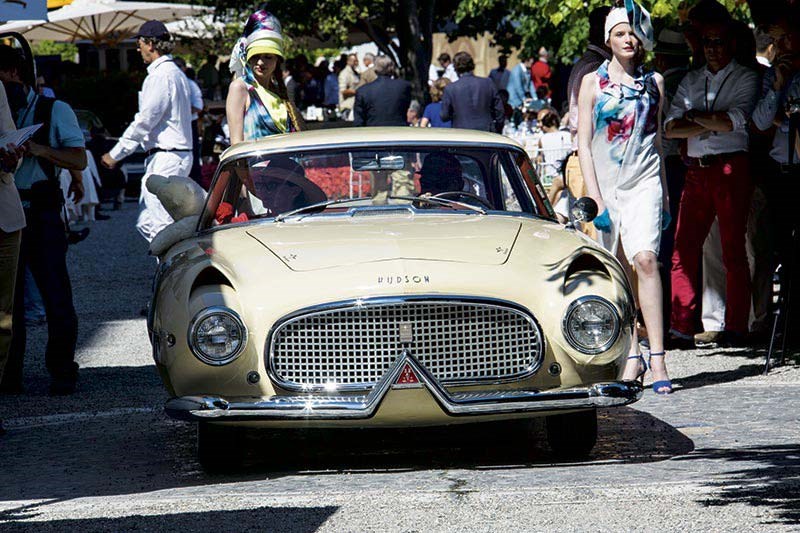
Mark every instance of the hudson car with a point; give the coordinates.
(387, 277)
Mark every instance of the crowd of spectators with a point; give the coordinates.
(730, 168)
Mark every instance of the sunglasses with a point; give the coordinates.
(714, 42)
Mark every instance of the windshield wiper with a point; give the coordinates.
(441, 201)
(319, 206)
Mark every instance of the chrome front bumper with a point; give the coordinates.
(331, 407)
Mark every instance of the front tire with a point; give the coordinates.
(572, 435)
(220, 448)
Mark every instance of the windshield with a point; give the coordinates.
(467, 180)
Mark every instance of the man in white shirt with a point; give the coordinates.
(781, 175)
(163, 125)
(765, 47)
(444, 70)
(711, 109)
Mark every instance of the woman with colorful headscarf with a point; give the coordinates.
(620, 155)
(258, 104)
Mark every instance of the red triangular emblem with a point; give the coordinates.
(407, 376)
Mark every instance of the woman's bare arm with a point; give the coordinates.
(585, 132)
(235, 107)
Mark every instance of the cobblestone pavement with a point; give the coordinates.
(722, 453)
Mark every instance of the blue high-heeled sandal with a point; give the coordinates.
(640, 376)
(663, 384)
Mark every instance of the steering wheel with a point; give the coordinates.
(463, 194)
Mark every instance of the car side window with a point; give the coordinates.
(510, 200)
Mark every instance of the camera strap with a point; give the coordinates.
(794, 122)
(43, 114)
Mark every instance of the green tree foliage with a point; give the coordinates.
(563, 25)
(332, 21)
(67, 51)
(560, 25)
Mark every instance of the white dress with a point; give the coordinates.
(91, 181)
(626, 162)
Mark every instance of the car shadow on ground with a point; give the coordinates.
(145, 452)
(767, 477)
(625, 436)
(284, 519)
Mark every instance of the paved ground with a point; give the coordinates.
(722, 453)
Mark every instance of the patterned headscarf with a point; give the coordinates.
(262, 35)
(640, 22)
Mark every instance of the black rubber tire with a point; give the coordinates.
(220, 448)
(572, 435)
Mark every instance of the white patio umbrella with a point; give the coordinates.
(203, 27)
(99, 21)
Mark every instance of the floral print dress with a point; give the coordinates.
(626, 162)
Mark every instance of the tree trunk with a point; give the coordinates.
(381, 38)
(415, 33)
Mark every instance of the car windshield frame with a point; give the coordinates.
(517, 166)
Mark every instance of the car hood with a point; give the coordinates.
(319, 243)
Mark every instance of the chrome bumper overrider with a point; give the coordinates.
(331, 407)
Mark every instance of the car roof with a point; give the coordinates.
(318, 139)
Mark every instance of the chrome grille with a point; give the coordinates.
(352, 347)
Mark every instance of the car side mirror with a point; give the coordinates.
(584, 210)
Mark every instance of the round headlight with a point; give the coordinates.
(591, 325)
(217, 336)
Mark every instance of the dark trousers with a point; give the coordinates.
(44, 251)
(676, 178)
(722, 190)
(781, 188)
(9, 258)
(195, 172)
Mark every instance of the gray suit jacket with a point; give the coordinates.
(12, 217)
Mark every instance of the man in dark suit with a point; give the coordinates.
(383, 102)
(472, 102)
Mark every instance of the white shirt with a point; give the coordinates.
(449, 73)
(164, 119)
(763, 61)
(195, 97)
(770, 107)
(733, 89)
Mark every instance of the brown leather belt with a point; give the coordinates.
(711, 159)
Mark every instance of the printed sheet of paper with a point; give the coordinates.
(19, 137)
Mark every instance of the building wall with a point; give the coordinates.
(485, 56)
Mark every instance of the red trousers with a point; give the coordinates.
(722, 190)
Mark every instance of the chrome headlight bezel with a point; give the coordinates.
(577, 345)
(203, 315)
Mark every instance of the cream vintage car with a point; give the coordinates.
(388, 277)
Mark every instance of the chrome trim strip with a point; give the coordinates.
(571, 308)
(374, 145)
(320, 407)
(399, 300)
(205, 313)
